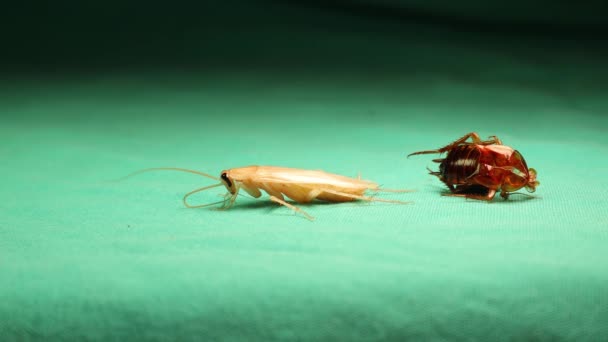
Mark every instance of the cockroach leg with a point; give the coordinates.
(493, 140)
(474, 136)
(227, 202)
(459, 193)
(476, 140)
(292, 207)
(312, 194)
(471, 196)
(362, 198)
(253, 191)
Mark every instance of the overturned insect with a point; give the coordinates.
(480, 168)
(302, 186)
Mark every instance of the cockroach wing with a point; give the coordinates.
(312, 178)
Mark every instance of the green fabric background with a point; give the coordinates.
(85, 258)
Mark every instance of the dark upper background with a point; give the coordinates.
(81, 36)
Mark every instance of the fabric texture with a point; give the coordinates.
(84, 257)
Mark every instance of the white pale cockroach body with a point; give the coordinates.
(299, 185)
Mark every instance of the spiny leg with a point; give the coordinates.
(493, 140)
(475, 140)
(292, 207)
(474, 136)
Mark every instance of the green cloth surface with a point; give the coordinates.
(83, 257)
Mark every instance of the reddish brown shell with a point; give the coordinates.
(480, 168)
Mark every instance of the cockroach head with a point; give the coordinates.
(532, 182)
(228, 182)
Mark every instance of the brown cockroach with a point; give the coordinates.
(480, 168)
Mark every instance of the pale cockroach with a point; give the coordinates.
(301, 186)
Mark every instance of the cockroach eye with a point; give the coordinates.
(226, 179)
